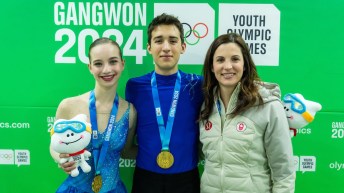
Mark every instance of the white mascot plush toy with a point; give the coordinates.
(72, 137)
(300, 112)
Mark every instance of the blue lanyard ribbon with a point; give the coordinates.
(99, 159)
(165, 133)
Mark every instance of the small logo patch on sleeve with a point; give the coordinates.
(208, 125)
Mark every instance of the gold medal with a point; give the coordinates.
(165, 159)
(97, 183)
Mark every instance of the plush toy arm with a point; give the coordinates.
(87, 154)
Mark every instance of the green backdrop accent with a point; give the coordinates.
(32, 85)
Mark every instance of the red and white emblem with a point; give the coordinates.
(241, 127)
(208, 125)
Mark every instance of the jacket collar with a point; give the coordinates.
(232, 101)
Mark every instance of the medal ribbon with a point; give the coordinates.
(165, 133)
(99, 159)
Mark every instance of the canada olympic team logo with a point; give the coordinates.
(208, 125)
(193, 34)
(241, 127)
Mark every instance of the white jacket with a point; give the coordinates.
(251, 152)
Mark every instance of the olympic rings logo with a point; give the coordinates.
(6, 156)
(194, 32)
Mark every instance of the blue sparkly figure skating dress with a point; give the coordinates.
(110, 168)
